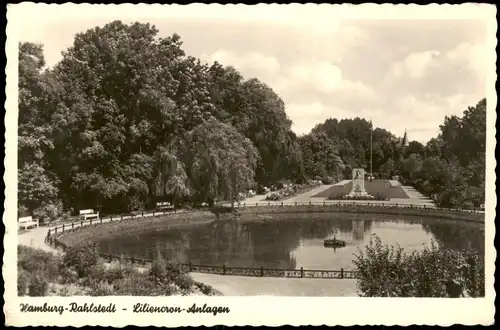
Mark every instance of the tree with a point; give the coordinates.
(37, 185)
(320, 156)
(417, 148)
(411, 166)
(171, 179)
(219, 161)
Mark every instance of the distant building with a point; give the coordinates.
(405, 142)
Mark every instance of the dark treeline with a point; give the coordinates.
(127, 118)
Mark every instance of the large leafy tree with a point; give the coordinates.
(38, 194)
(321, 157)
(220, 162)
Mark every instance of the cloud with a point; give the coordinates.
(414, 65)
(307, 115)
(471, 56)
(402, 73)
(322, 76)
(250, 62)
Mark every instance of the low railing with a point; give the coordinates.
(225, 270)
(244, 271)
(388, 204)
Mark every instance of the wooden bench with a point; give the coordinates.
(88, 214)
(164, 205)
(27, 222)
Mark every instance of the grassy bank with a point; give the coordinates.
(362, 209)
(80, 272)
(132, 226)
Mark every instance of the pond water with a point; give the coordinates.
(294, 242)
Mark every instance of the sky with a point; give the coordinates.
(404, 69)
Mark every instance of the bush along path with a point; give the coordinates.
(82, 272)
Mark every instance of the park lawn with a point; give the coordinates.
(376, 187)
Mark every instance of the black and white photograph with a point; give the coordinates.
(268, 151)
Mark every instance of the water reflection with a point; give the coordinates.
(292, 243)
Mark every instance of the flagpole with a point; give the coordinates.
(371, 149)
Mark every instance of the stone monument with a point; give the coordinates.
(358, 183)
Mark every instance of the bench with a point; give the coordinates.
(27, 222)
(89, 214)
(164, 205)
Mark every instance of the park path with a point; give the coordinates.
(415, 198)
(304, 197)
(35, 238)
(275, 286)
(308, 195)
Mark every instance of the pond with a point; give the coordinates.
(294, 241)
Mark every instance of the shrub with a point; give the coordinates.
(97, 272)
(101, 288)
(38, 261)
(67, 275)
(386, 271)
(273, 197)
(184, 282)
(116, 273)
(38, 286)
(136, 284)
(48, 212)
(81, 258)
(158, 269)
(205, 289)
(170, 273)
(327, 180)
(22, 281)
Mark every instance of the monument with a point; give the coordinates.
(358, 183)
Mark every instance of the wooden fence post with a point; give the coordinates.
(301, 272)
(63, 227)
(55, 231)
(190, 266)
(100, 219)
(224, 269)
(261, 271)
(73, 225)
(341, 272)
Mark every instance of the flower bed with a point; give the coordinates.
(292, 190)
(376, 197)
